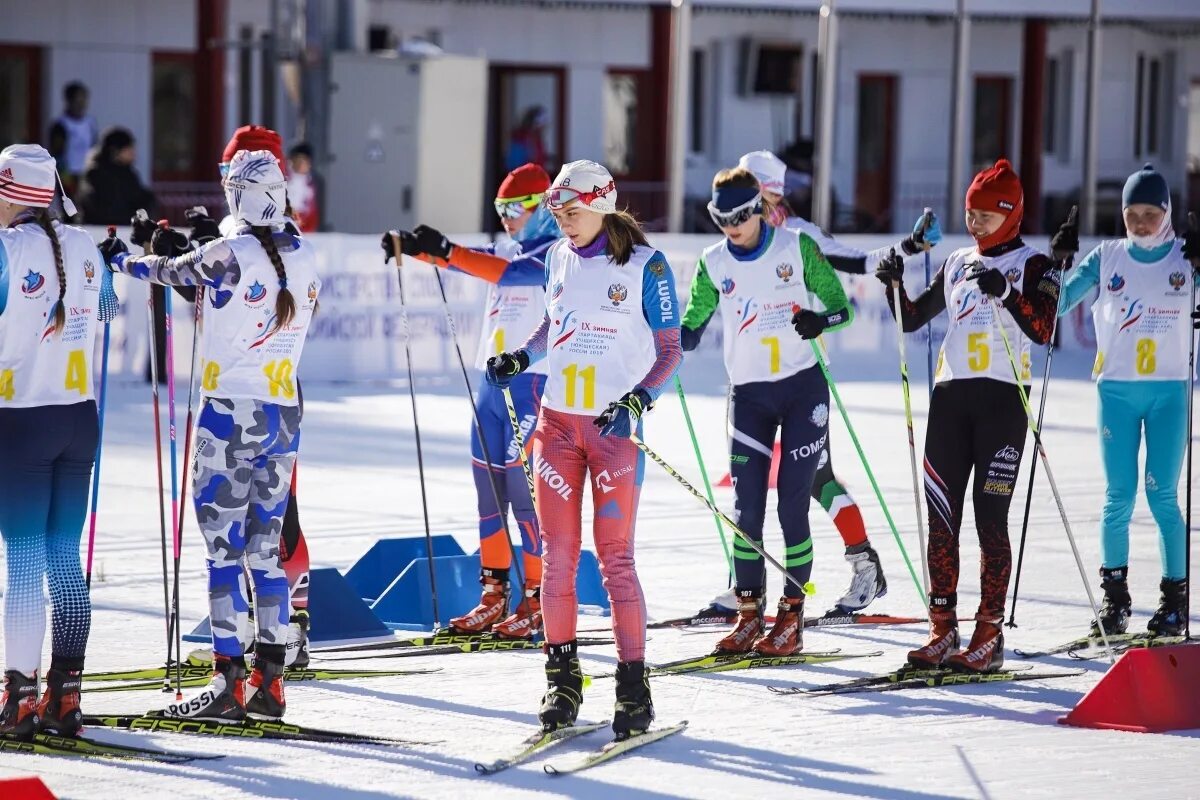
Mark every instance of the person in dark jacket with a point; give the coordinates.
(112, 191)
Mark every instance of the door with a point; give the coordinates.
(20, 92)
(991, 120)
(632, 144)
(527, 119)
(875, 153)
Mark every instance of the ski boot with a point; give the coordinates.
(723, 606)
(1171, 616)
(58, 710)
(985, 653)
(297, 640)
(634, 710)
(943, 634)
(223, 699)
(264, 698)
(493, 604)
(1117, 605)
(18, 707)
(526, 620)
(786, 636)
(866, 581)
(564, 687)
(749, 625)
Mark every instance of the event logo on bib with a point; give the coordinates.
(312, 291)
(748, 314)
(959, 273)
(1013, 275)
(785, 272)
(566, 329)
(32, 282)
(557, 290)
(1116, 283)
(617, 293)
(89, 270)
(1132, 314)
(966, 305)
(727, 286)
(256, 293)
(1177, 280)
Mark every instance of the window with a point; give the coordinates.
(991, 120)
(699, 117)
(173, 104)
(1154, 90)
(1057, 98)
(620, 122)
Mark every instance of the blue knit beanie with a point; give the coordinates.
(1147, 186)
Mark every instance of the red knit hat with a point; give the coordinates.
(998, 189)
(254, 137)
(523, 181)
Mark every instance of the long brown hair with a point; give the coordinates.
(285, 304)
(42, 217)
(624, 233)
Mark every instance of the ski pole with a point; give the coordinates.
(1063, 267)
(703, 472)
(870, 474)
(187, 438)
(926, 219)
(487, 456)
(518, 437)
(177, 542)
(412, 393)
(1041, 450)
(108, 308)
(912, 442)
(745, 537)
(1187, 592)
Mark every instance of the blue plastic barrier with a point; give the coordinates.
(387, 558)
(336, 611)
(407, 602)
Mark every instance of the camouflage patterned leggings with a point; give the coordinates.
(242, 468)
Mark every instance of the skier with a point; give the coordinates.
(515, 306)
(611, 330)
(976, 418)
(867, 582)
(769, 278)
(1143, 330)
(49, 297)
(262, 289)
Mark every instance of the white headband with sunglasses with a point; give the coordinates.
(736, 215)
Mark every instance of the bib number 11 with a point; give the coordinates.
(572, 374)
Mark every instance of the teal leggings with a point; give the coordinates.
(1126, 407)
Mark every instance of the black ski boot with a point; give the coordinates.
(564, 687)
(264, 690)
(59, 707)
(18, 715)
(1117, 606)
(1171, 616)
(634, 710)
(223, 699)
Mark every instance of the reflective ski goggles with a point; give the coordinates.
(737, 215)
(559, 196)
(514, 207)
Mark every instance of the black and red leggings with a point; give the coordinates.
(975, 425)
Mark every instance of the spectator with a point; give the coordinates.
(72, 135)
(111, 190)
(304, 188)
(525, 145)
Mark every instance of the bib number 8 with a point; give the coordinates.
(1147, 361)
(772, 343)
(279, 377)
(979, 354)
(212, 371)
(573, 373)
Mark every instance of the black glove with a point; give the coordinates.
(990, 281)
(204, 227)
(143, 228)
(431, 242)
(808, 323)
(502, 368)
(408, 245)
(890, 269)
(169, 242)
(110, 248)
(1191, 241)
(621, 417)
(1065, 242)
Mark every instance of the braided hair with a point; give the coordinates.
(42, 217)
(285, 304)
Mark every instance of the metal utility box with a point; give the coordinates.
(407, 136)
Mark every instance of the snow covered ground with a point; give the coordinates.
(358, 483)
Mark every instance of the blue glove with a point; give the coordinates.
(502, 368)
(922, 235)
(621, 417)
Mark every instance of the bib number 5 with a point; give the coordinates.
(979, 353)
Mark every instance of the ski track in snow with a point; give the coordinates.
(358, 482)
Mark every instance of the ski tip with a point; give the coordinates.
(550, 770)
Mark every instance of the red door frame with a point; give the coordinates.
(33, 57)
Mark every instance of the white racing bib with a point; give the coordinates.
(599, 344)
(758, 299)
(39, 367)
(511, 314)
(1142, 316)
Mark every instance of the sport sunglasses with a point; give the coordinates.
(735, 216)
(559, 196)
(514, 207)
